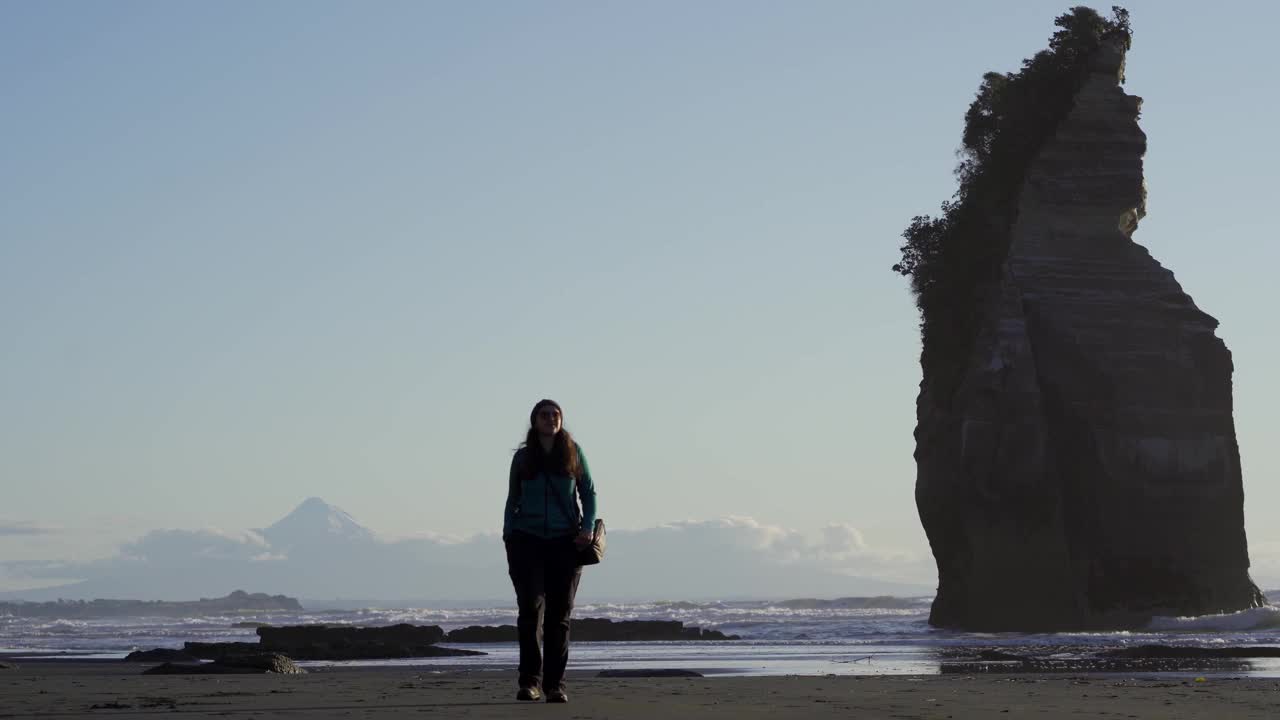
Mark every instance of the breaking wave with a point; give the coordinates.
(1262, 618)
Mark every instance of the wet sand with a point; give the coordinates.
(68, 689)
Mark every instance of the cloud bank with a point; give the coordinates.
(321, 554)
(10, 529)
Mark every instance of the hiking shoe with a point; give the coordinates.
(557, 696)
(529, 693)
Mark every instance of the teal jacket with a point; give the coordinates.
(533, 508)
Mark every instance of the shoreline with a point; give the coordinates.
(746, 667)
(54, 689)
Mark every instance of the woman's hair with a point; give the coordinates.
(564, 451)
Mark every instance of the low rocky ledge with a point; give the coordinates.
(337, 642)
(337, 636)
(213, 651)
(351, 642)
(375, 651)
(165, 655)
(493, 634)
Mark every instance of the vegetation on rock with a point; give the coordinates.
(954, 259)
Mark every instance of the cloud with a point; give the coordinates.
(835, 546)
(9, 529)
(743, 557)
(15, 577)
(268, 557)
(429, 536)
(38, 569)
(165, 547)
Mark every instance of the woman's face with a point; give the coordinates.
(547, 420)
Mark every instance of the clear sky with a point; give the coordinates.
(255, 252)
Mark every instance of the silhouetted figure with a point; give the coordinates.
(543, 529)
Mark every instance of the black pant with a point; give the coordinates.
(545, 574)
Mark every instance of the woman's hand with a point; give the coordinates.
(584, 539)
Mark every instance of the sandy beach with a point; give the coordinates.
(67, 689)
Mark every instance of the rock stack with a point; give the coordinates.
(1085, 473)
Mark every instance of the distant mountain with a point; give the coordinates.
(315, 522)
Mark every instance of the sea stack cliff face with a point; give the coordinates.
(1084, 473)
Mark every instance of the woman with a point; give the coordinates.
(543, 530)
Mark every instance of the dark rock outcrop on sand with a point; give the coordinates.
(597, 630)
(488, 634)
(1001, 656)
(338, 636)
(1084, 471)
(605, 630)
(338, 642)
(351, 642)
(8, 666)
(213, 651)
(257, 663)
(164, 655)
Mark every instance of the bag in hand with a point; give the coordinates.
(594, 552)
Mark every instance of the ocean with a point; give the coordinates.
(777, 638)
